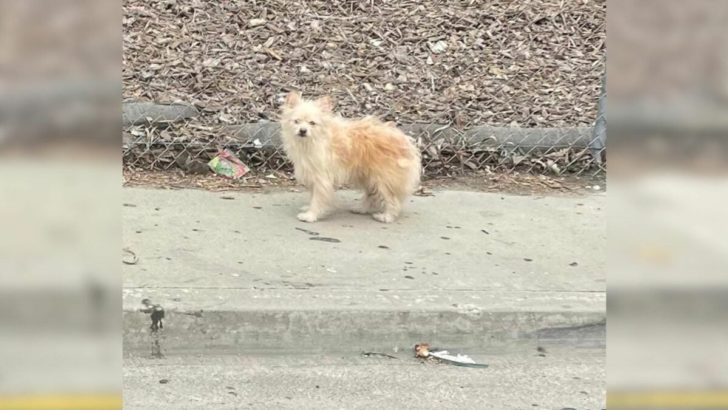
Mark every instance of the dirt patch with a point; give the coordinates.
(522, 184)
(510, 183)
(535, 64)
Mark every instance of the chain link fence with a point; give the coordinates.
(162, 137)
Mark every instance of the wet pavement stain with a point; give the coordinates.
(156, 347)
(156, 313)
(307, 231)
(324, 239)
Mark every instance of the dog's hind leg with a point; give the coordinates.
(391, 208)
(369, 203)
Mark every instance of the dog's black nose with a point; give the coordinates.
(302, 132)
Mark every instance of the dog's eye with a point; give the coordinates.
(296, 121)
(312, 122)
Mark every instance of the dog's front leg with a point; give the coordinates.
(322, 194)
(305, 207)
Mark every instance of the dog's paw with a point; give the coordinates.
(307, 217)
(304, 208)
(383, 217)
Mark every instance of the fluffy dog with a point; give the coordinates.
(328, 151)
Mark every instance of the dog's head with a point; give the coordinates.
(305, 118)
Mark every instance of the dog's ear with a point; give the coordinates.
(326, 103)
(293, 98)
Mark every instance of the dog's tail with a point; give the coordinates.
(413, 165)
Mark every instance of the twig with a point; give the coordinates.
(369, 354)
(134, 258)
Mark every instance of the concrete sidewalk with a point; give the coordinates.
(237, 270)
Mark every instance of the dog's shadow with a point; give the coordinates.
(344, 214)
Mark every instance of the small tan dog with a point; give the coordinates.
(328, 151)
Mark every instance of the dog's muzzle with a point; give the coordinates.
(302, 132)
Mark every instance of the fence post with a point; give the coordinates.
(599, 134)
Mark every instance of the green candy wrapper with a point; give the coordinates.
(228, 165)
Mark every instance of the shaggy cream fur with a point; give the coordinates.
(328, 151)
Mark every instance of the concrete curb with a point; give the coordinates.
(266, 134)
(314, 327)
(136, 113)
(347, 331)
